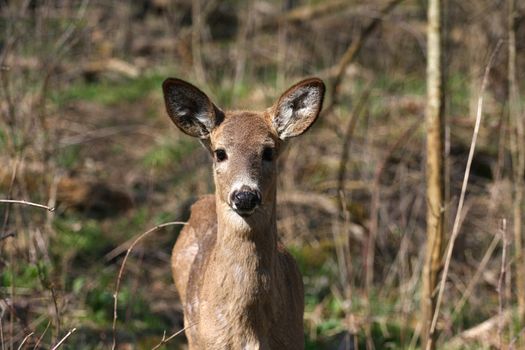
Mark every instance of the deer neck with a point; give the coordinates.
(257, 233)
(245, 271)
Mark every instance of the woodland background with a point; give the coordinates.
(83, 129)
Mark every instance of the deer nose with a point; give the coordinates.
(245, 200)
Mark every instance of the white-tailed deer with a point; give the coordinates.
(239, 287)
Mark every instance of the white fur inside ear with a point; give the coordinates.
(297, 111)
(204, 119)
(190, 109)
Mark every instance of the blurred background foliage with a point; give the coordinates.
(83, 129)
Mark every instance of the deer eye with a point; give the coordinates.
(268, 154)
(220, 155)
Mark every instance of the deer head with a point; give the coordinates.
(245, 145)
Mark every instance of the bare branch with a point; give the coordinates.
(308, 12)
(347, 138)
(2, 334)
(39, 340)
(352, 51)
(455, 228)
(121, 271)
(473, 282)
(63, 339)
(164, 340)
(24, 340)
(14, 201)
(502, 274)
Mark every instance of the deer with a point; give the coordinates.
(239, 287)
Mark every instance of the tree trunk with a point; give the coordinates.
(518, 162)
(434, 122)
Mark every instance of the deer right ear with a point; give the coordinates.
(298, 108)
(190, 109)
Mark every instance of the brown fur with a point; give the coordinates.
(239, 287)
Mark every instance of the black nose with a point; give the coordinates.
(246, 199)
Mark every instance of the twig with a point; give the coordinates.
(49, 286)
(352, 51)
(470, 287)
(97, 134)
(455, 228)
(7, 213)
(2, 334)
(308, 12)
(24, 341)
(70, 30)
(121, 271)
(320, 202)
(164, 340)
(198, 17)
(27, 203)
(123, 247)
(9, 193)
(481, 332)
(348, 136)
(342, 248)
(63, 339)
(502, 273)
(39, 340)
(5, 224)
(370, 243)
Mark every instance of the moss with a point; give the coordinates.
(168, 152)
(108, 92)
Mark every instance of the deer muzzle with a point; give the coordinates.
(245, 200)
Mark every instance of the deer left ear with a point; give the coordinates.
(298, 108)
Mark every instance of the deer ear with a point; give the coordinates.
(298, 108)
(190, 109)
